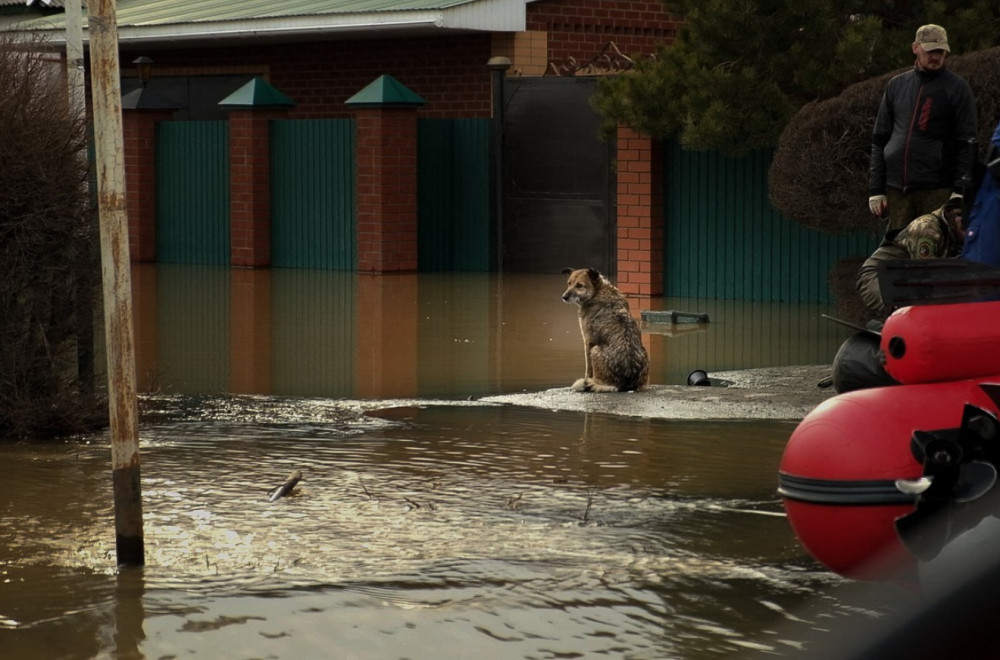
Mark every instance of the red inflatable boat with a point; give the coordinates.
(876, 480)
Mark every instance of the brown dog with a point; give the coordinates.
(616, 360)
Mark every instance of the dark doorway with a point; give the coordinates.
(557, 178)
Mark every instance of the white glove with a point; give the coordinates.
(878, 204)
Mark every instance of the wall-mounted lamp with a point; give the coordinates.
(145, 66)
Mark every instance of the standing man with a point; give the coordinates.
(924, 142)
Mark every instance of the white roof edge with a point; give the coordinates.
(222, 31)
(458, 18)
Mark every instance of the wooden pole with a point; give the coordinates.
(110, 163)
(77, 84)
(74, 57)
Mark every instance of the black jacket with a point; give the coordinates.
(925, 133)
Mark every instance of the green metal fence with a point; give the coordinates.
(312, 194)
(192, 192)
(724, 239)
(453, 193)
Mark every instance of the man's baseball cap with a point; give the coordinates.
(933, 37)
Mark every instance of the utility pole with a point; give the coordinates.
(110, 162)
(74, 58)
(77, 94)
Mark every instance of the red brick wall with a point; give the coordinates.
(448, 72)
(249, 188)
(640, 214)
(387, 189)
(139, 138)
(581, 28)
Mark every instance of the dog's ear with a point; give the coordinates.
(567, 271)
(594, 275)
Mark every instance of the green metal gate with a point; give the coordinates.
(453, 194)
(724, 239)
(192, 192)
(312, 194)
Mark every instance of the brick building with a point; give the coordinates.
(203, 50)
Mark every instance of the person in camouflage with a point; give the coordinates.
(931, 236)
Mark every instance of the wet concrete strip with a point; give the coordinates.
(771, 393)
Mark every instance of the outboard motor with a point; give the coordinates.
(960, 468)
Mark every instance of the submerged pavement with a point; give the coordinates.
(771, 393)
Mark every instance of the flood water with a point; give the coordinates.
(453, 335)
(422, 528)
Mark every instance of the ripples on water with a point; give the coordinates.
(419, 532)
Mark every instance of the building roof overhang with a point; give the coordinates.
(222, 22)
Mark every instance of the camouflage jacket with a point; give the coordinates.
(926, 237)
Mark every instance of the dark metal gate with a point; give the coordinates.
(557, 185)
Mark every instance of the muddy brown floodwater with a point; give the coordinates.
(457, 500)
(432, 530)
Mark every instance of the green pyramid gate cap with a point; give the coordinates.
(258, 93)
(385, 91)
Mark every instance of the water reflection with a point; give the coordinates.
(421, 532)
(453, 335)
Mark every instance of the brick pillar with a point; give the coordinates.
(250, 187)
(386, 188)
(139, 141)
(640, 214)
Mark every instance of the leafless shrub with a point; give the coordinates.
(48, 260)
